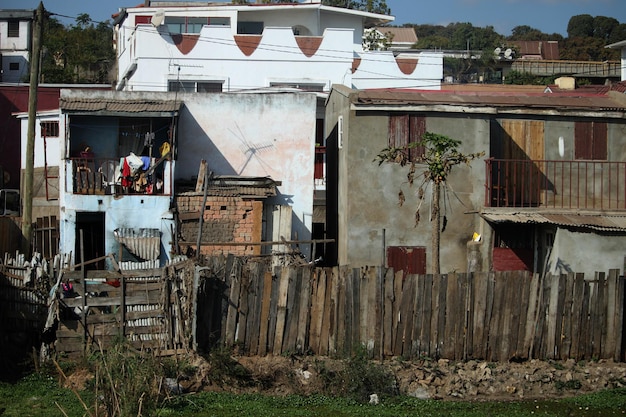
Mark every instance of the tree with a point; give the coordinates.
(440, 154)
(79, 53)
(580, 26)
(373, 6)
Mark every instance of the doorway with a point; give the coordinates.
(92, 244)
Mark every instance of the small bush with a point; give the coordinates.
(225, 369)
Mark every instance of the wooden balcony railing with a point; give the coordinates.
(593, 185)
(106, 176)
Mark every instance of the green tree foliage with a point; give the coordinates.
(79, 53)
(524, 78)
(587, 49)
(373, 6)
(527, 33)
(580, 26)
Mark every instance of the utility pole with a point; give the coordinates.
(35, 63)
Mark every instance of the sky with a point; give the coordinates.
(549, 16)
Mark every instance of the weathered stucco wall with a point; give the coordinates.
(571, 252)
(263, 135)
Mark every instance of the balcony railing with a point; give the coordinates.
(593, 185)
(107, 177)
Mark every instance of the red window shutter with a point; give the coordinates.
(142, 20)
(599, 140)
(417, 128)
(582, 140)
(399, 130)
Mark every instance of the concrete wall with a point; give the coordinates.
(588, 252)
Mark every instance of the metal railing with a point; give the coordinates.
(105, 177)
(594, 185)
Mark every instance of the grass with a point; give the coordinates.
(40, 395)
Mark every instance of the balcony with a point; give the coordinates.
(101, 176)
(589, 185)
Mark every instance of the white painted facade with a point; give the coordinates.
(14, 49)
(150, 57)
(50, 154)
(622, 47)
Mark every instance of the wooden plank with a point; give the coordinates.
(397, 321)
(388, 301)
(506, 315)
(293, 310)
(372, 313)
(305, 310)
(326, 314)
(349, 311)
(609, 345)
(528, 315)
(619, 354)
(586, 331)
(559, 316)
(600, 317)
(495, 326)
(341, 311)
(363, 307)
(316, 310)
(379, 312)
(566, 330)
(334, 310)
(256, 296)
(408, 304)
(441, 314)
(577, 300)
(281, 310)
(452, 319)
(478, 318)
(418, 316)
(273, 309)
(356, 310)
(595, 314)
(265, 312)
(459, 348)
(233, 303)
(427, 314)
(244, 308)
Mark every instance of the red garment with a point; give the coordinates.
(126, 180)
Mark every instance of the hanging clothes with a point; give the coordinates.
(127, 180)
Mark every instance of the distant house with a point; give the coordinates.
(546, 50)
(398, 38)
(15, 44)
(550, 193)
(621, 46)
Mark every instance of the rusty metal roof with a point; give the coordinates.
(120, 105)
(573, 101)
(232, 186)
(613, 222)
(399, 35)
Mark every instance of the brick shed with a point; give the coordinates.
(232, 216)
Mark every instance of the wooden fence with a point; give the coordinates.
(490, 316)
(150, 308)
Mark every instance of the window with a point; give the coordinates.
(590, 140)
(14, 66)
(405, 129)
(301, 86)
(50, 129)
(177, 25)
(14, 29)
(195, 86)
(250, 28)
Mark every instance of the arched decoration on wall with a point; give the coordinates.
(185, 43)
(355, 64)
(248, 43)
(309, 44)
(300, 30)
(407, 65)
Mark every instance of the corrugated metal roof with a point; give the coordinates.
(602, 222)
(399, 35)
(118, 105)
(488, 99)
(245, 187)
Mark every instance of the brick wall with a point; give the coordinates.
(226, 219)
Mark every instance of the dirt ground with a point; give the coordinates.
(442, 379)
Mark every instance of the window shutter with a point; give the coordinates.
(582, 140)
(599, 140)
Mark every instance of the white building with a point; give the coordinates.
(200, 47)
(15, 44)
(622, 47)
